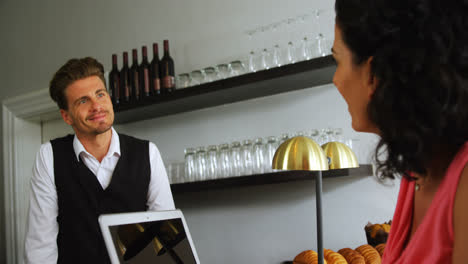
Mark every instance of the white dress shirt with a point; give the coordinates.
(42, 226)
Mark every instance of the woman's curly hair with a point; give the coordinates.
(419, 51)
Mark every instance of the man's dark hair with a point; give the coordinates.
(73, 70)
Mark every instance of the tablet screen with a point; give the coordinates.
(163, 241)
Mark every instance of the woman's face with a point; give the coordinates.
(355, 83)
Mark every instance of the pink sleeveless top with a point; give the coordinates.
(433, 240)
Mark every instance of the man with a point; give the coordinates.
(96, 171)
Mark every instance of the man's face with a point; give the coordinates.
(90, 111)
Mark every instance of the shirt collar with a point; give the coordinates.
(114, 147)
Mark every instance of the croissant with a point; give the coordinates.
(351, 256)
(380, 248)
(307, 257)
(333, 257)
(370, 254)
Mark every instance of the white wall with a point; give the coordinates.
(229, 226)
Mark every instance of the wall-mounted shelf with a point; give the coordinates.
(267, 178)
(301, 75)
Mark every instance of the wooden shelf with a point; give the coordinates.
(267, 178)
(301, 75)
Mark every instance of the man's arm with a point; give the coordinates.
(42, 226)
(159, 191)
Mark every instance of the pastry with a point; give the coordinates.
(334, 258)
(377, 233)
(307, 257)
(351, 256)
(370, 254)
(327, 252)
(380, 248)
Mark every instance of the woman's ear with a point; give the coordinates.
(369, 77)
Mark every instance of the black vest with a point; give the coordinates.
(81, 199)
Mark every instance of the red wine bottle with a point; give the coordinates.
(114, 81)
(154, 69)
(166, 68)
(134, 76)
(145, 72)
(125, 88)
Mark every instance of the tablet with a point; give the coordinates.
(160, 237)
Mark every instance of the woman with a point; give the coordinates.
(402, 68)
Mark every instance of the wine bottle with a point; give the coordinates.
(134, 76)
(114, 81)
(154, 68)
(166, 67)
(125, 89)
(144, 72)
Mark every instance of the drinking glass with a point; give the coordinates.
(265, 60)
(290, 53)
(338, 134)
(253, 37)
(183, 81)
(210, 74)
(174, 172)
(323, 137)
(322, 49)
(197, 77)
(291, 28)
(305, 51)
(270, 149)
(253, 65)
(223, 71)
(190, 166)
(330, 134)
(314, 134)
(246, 151)
(178, 169)
(320, 40)
(300, 134)
(224, 160)
(200, 157)
(258, 156)
(349, 143)
(236, 162)
(276, 56)
(237, 68)
(283, 138)
(211, 162)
